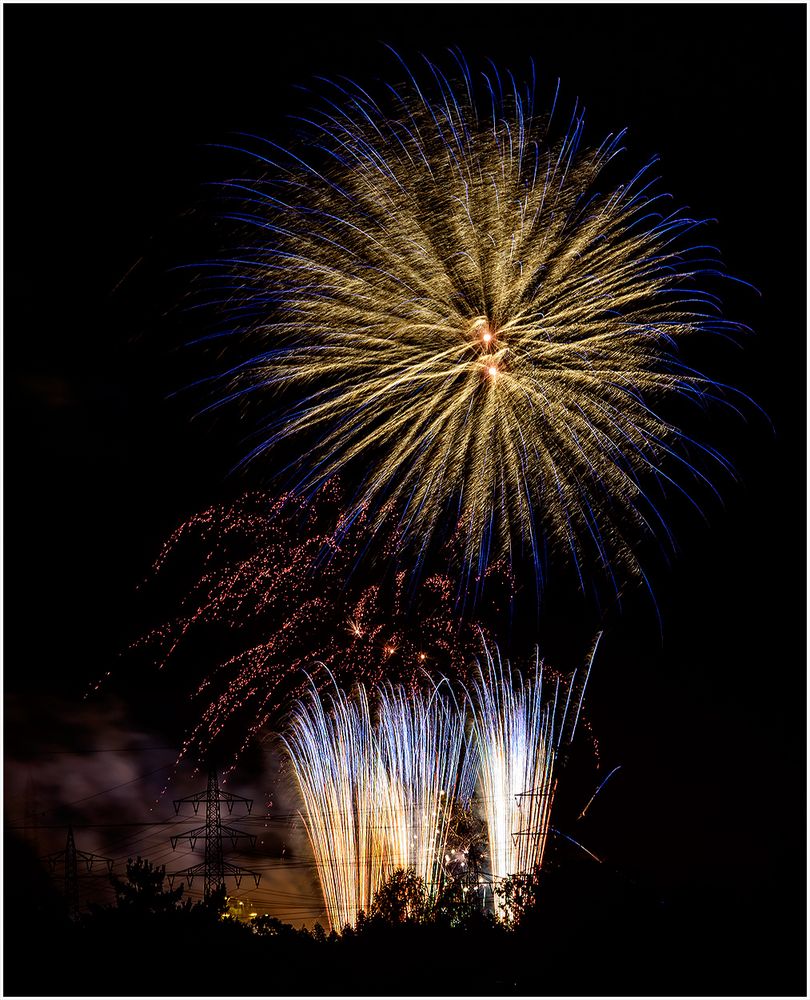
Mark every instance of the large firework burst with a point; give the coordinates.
(458, 310)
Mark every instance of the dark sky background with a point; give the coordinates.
(109, 113)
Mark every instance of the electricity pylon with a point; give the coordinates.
(214, 867)
(71, 858)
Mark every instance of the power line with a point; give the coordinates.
(88, 750)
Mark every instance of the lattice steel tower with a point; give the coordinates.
(214, 868)
(71, 858)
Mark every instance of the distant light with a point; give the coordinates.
(487, 337)
(492, 370)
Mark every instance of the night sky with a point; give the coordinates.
(109, 119)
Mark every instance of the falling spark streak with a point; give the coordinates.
(518, 735)
(598, 790)
(417, 242)
(576, 843)
(377, 786)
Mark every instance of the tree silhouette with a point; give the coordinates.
(402, 898)
(142, 891)
(520, 897)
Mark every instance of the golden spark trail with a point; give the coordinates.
(517, 733)
(380, 776)
(377, 787)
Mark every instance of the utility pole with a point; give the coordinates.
(214, 867)
(71, 858)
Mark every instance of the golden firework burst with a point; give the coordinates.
(442, 303)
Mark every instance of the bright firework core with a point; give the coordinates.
(482, 330)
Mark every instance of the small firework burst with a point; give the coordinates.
(264, 589)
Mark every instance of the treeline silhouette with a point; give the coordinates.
(573, 932)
